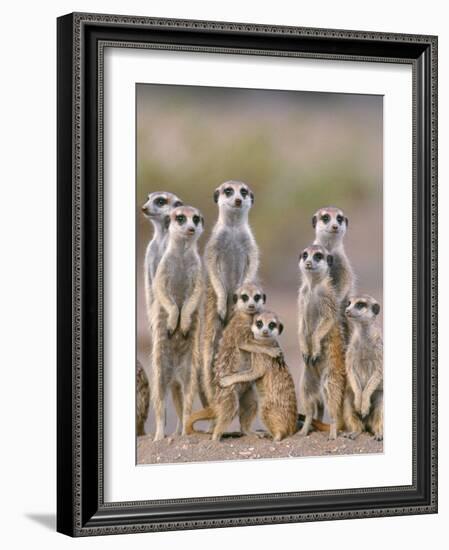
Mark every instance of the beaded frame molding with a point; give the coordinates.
(81, 510)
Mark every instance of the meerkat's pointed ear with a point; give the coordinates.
(281, 328)
(178, 203)
(376, 308)
(264, 298)
(314, 220)
(166, 222)
(347, 222)
(235, 298)
(216, 195)
(251, 194)
(330, 260)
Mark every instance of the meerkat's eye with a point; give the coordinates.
(244, 192)
(160, 201)
(257, 297)
(229, 191)
(304, 255)
(326, 218)
(348, 303)
(360, 305)
(318, 257)
(272, 325)
(177, 203)
(244, 297)
(259, 324)
(181, 219)
(340, 219)
(196, 220)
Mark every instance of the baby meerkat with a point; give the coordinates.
(363, 404)
(231, 258)
(227, 402)
(330, 226)
(178, 289)
(274, 384)
(320, 340)
(157, 206)
(142, 398)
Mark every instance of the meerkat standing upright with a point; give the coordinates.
(330, 226)
(363, 405)
(320, 340)
(178, 290)
(157, 206)
(231, 259)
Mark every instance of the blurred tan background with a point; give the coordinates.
(298, 151)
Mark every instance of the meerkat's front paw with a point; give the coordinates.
(303, 432)
(185, 325)
(172, 322)
(225, 381)
(306, 359)
(222, 312)
(314, 360)
(358, 404)
(378, 437)
(365, 408)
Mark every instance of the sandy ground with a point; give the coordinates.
(199, 448)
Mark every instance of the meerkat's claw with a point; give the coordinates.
(378, 437)
(314, 360)
(306, 359)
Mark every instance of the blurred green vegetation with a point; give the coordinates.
(297, 150)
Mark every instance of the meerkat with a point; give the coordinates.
(274, 384)
(363, 403)
(157, 206)
(320, 340)
(330, 226)
(231, 259)
(227, 402)
(178, 289)
(142, 398)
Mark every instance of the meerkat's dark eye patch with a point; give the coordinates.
(229, 191)
(272, 325)
(160, 201)
(259, 324)
(235, 298)
(181, 219)
(360, 305)
(348, 303)
(244, 192)
(340, 219)
(178, 203)
(304, 255)
(196, 220)
(257, 297)
(216, 195)
(325, 218)
(318, 257)
(244, 297)
(375, 308)
(314, 222)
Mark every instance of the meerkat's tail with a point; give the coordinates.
(317, 424)
(207, 413)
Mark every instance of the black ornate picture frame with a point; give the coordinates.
(81, 510)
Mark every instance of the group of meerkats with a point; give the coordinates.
(212, 336)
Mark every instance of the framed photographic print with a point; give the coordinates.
(247, 274)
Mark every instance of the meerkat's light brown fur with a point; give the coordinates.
(363, 405)
(227, 402)
(320, 341)
(142, 398)
(274, 385)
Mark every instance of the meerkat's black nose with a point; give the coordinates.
(265, 332)
(238, 202)
(191, 230)
(335, 227)
(144, 208)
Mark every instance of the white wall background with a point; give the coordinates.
(28, 267)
